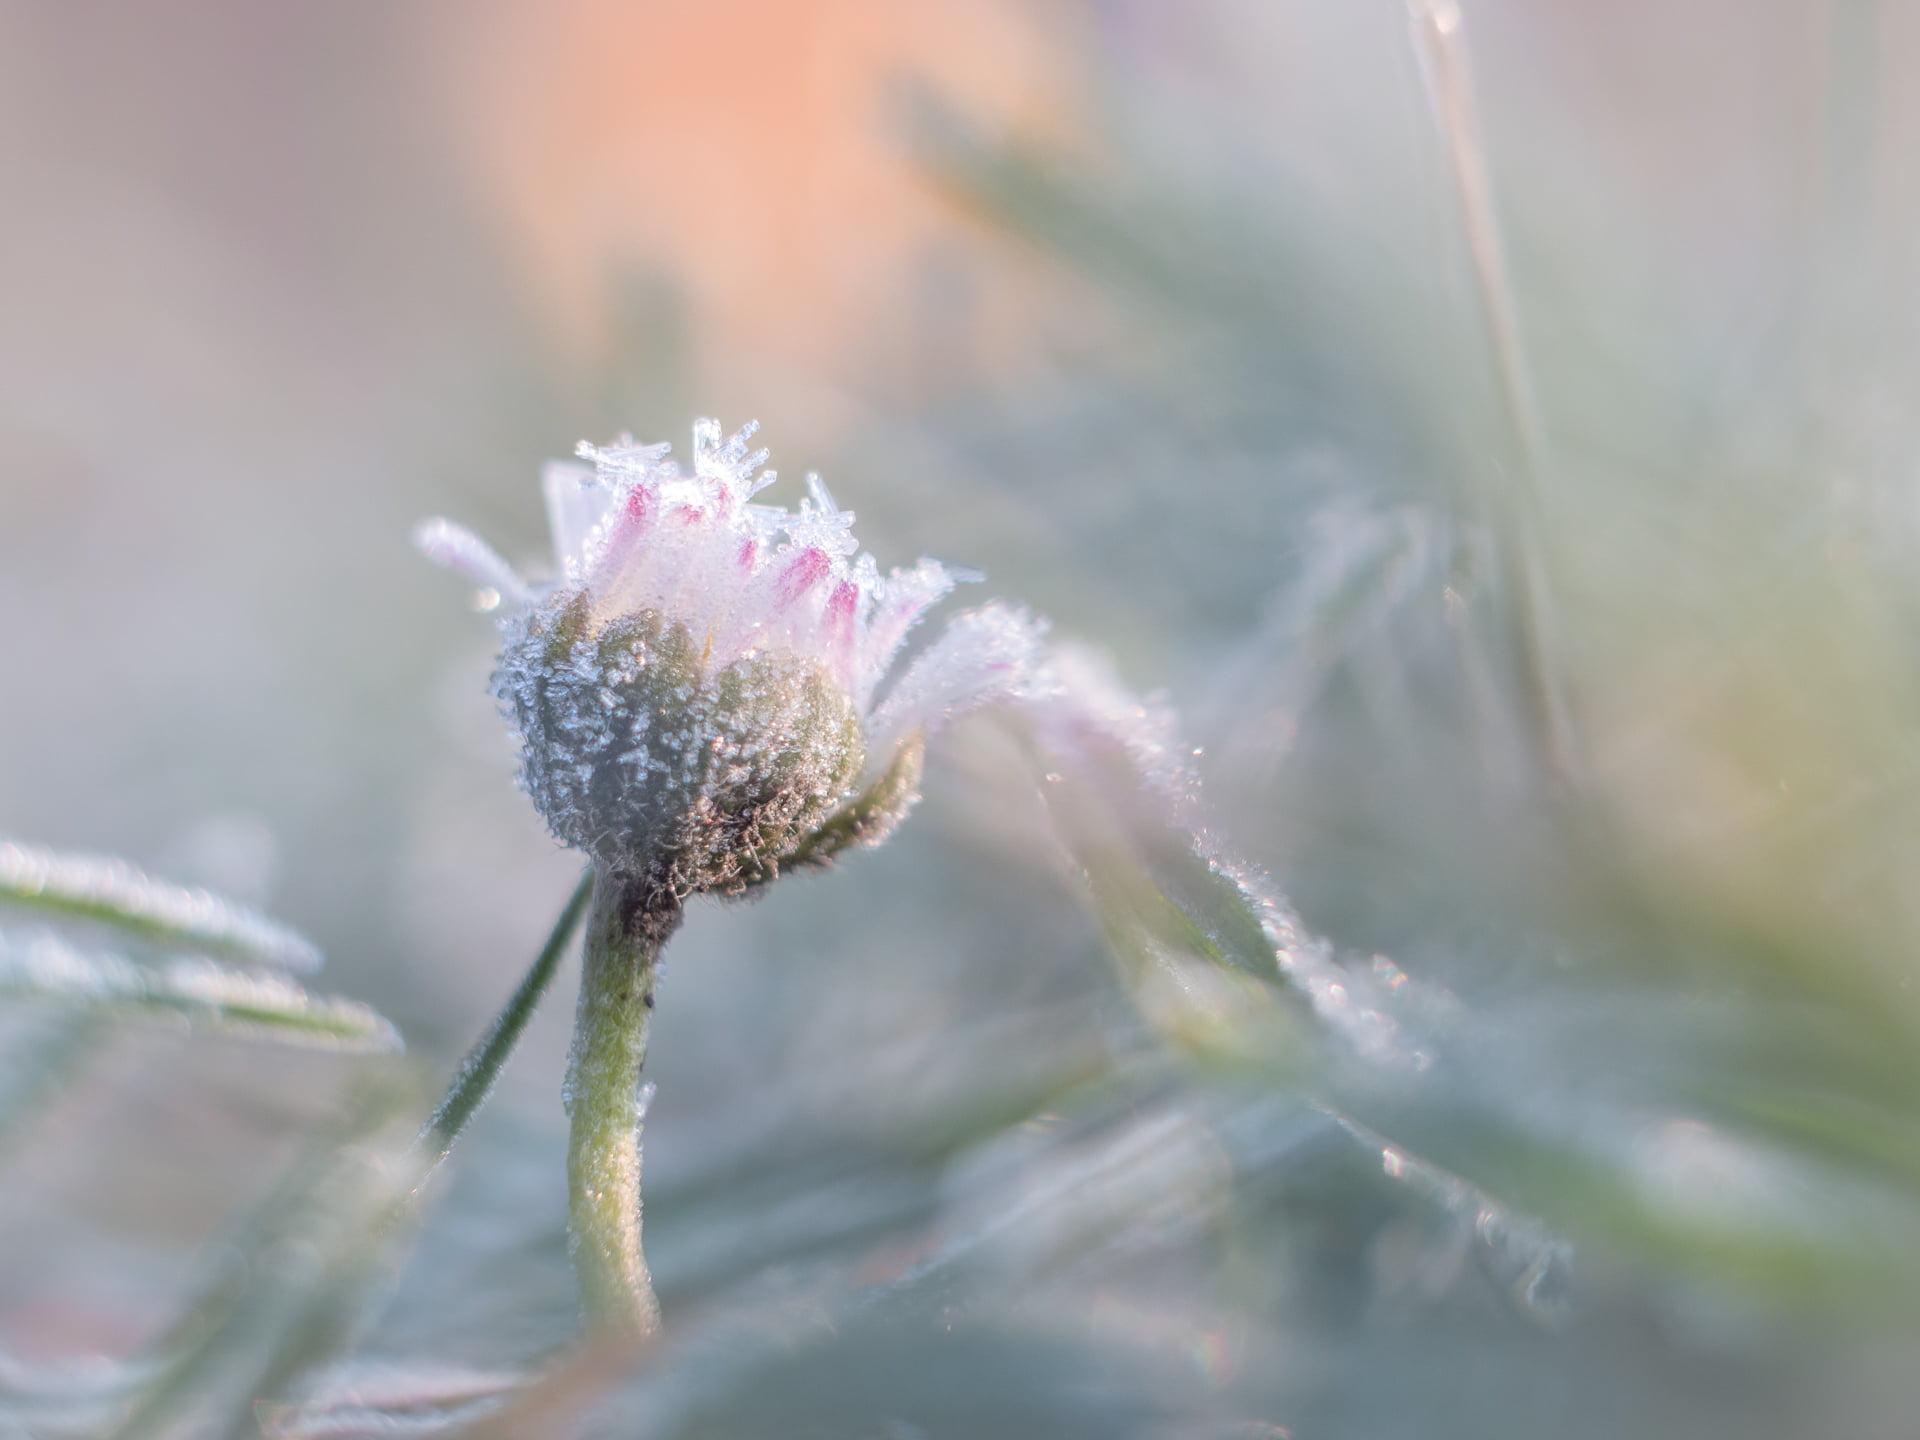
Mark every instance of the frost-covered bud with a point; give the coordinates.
(697, 691)
(637, 746)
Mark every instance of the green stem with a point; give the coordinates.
(630, 925)
(483, 1064)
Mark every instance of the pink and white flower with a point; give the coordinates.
(703, 683)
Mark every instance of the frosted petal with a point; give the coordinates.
(577, 501)
(898, 602)
(988, 656)
(1126, 753)
(465, 553)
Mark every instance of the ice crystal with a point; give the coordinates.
(700, 691)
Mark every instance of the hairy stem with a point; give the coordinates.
(629, 926)
(483, 1064)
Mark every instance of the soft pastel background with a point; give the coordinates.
(1168, 319)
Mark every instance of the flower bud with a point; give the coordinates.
(644, 754)
(697, 693)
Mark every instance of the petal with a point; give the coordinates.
(801, 574)
(989, 656)
(465, 553)
(1124, 792)
(577, 501)
(899, 602)
(837, 626)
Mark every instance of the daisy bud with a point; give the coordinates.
(698, 692)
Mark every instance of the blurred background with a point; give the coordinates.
(1490, 426)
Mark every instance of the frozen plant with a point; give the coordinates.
(697, 690)
(702, 696)
(703, 699)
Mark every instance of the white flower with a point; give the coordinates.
(701, 690)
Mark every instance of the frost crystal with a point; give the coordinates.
(698, 691)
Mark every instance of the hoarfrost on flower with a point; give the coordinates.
(702, 687)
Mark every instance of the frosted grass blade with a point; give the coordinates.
(92, 887)
(43, 966)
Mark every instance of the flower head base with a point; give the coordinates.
(697, 692)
